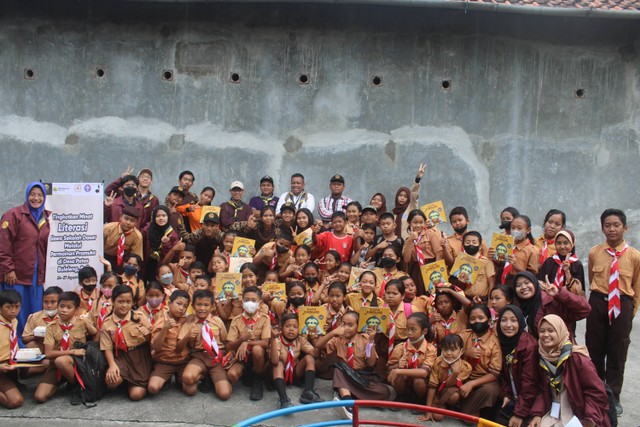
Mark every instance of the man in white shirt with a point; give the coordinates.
(297, 196)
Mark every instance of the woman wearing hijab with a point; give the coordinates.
(159, 237)
(519, 374)
(379, 202)
(538, 298)
(407, 200)
(564, 269)
(570, 386)
(23, 251)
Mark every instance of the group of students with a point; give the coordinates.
(504, 347)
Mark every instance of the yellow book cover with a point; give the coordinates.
(378, 317)
(304, 238)
(242, 246)
(278, 289)
(235, 262)
(435, 212)
(502, 244)
(229, 286)
(207, 209)
(312, 320)
(466, 269)
(434, 274)
(354, 279)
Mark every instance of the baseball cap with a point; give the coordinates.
(370, 208)
(266, 178)
(211, 216)
(288, 206)
(145, 170)
(236, 184)
(337, 178)
(177, 190)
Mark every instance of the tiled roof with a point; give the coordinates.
(632, 5)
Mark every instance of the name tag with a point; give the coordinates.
(555, 410)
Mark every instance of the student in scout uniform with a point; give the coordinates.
(388, 237)
(154, 307)
(614, 277)
(525, 254)
(447, 318)
(411, 362)
(388, 270)
(204, 335)
(10, 304)
(172, 201)
(88, 282)
(297, 196)
(129, 277)
(353, 212)
(122, 237)
(292, 270)
(205, 240)
(103, 306)
(41, 319)
(24, 236)
(554, 221)
(564, 268)
(506, 216)
(114, 203)
(291, 357)
(193, 212)
(366, 297)
(472, 245)
(337, 239)
(406, 201)
(519, 376)
(336, 202)
(234, 209)
(449, 372)
(186, 179)
(568, 380)
(125, 339)
(422, 303)
(59, 346)
(356, 353)
(264, 231)
(180, 269)
(459, 219)
(287, 217)
(167, 359)
(248, 338)
(482, 351)
(422, 246)
(266, 197)
(148, 200)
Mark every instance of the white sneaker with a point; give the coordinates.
(343, 411)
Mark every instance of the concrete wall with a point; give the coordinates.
(512, 128)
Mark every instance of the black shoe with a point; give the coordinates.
(76, 397)
(285, 403)
(256, 390)
(310, 396)
(619, 409)
(205, 386)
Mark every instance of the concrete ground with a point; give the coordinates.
(172, 408)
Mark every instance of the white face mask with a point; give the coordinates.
(451, 362)
(51, 313)
(518, 235)
(250, 306)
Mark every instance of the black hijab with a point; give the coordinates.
(509, 343)
(530, 306)
(156, 232)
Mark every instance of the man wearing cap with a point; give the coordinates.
(266, 197)
(336, 202)
(173, 200)
(122, 237)
(205, 239)
(297, 196)
(235, 209)
(115, 203)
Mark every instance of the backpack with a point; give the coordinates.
(90, 371)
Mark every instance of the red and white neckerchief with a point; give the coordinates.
(89, 300)
(152, 311)
(227, 255)
(447, 324)
(103, 314)
(13, 342)
(544, 252)
(392, 330)
(385, 280)
(120, 253)
(351, 353)
(274, 262)
(184, 272)
(419, 253)
(508, 267)
(291, 361)
(614, 283)
(412, 362)
(365, 301)
(48, 320)
(272, 318)
(249, 323)
(334, 320)
(559, 280)
(310, 294)
(119, 341)
(209, 342)
(476, 344)
(66, 337)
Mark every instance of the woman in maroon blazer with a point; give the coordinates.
(519, 374)
(570, 386)
(24, 235)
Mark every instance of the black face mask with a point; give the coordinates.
(311, 280)
(471, 249)
(387, 262)
(505, 225)
(129, 191)
(298, 301)
(281, 249)
(460, 230)
(89, 288)
(479, 327)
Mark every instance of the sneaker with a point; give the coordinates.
(256, 390)
(310, 396)
(619, 409)
(343, 411)
(284, 403)
(76, 398)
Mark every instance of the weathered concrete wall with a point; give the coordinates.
(511, 128)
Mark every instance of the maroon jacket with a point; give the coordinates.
(227, 211)
(525, 376)
(114, 212)
(587, 396)
(20, 239)
(174, 238)
(149, 202)
(569, 306)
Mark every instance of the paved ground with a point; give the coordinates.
(172, 408)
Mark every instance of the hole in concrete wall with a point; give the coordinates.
(100, 72)
(303, 79)
(377, 80)
(167, 75)
(235, 78)
(580, 93)
(29, 74)
(446, 84)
